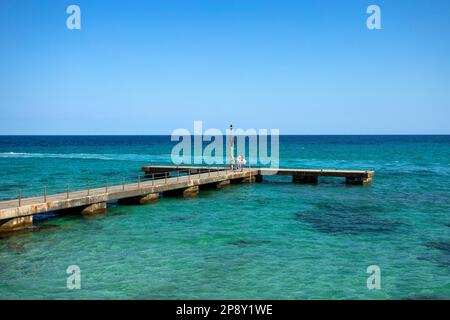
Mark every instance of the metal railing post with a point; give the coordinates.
(106, 186)
(20, 197)
(165, 177)
(68, 191)
(89, 188)
(139, 181)
(153, 179)
(45, 194)
(178, 175)
(123, 184)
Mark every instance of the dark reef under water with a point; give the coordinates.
(339, 218)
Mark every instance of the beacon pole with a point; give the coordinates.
(231, 147)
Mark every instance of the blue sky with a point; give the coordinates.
(149, 67)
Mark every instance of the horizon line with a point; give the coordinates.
(168, 135)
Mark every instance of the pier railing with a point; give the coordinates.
(98, 186)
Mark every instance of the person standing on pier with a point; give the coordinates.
(239, 162)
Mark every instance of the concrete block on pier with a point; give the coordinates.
(215, 185)
(145, 199)
(15, 224)
(190, 192)
(249, 179)
(358, 181)
(187, 192)
(149, 198)
(223, 184)
(305, 179)
(92, 209)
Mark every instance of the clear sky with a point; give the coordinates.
(149, 67)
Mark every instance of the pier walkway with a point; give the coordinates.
(185, 181)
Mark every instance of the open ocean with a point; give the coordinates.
(271, 240)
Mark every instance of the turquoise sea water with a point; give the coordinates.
(270, 240)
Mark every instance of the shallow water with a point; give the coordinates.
(270, 240)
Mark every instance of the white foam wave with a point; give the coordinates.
(88, 156)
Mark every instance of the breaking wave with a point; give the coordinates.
(88, 156)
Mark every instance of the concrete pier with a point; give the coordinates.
(312, 176)
(183, 181)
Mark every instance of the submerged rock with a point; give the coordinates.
(347, 219)
(246, 243)
(440, 253)
(181, 218)
(443, 245)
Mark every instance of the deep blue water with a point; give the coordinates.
(270, 240)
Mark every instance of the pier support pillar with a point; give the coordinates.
(190, 192)
(223, 184)
(15, 224)
(250, 179)
(305, 179)
(187, 192)
(92, 209)
(358, 181)
(149, 198)
(145, 199)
